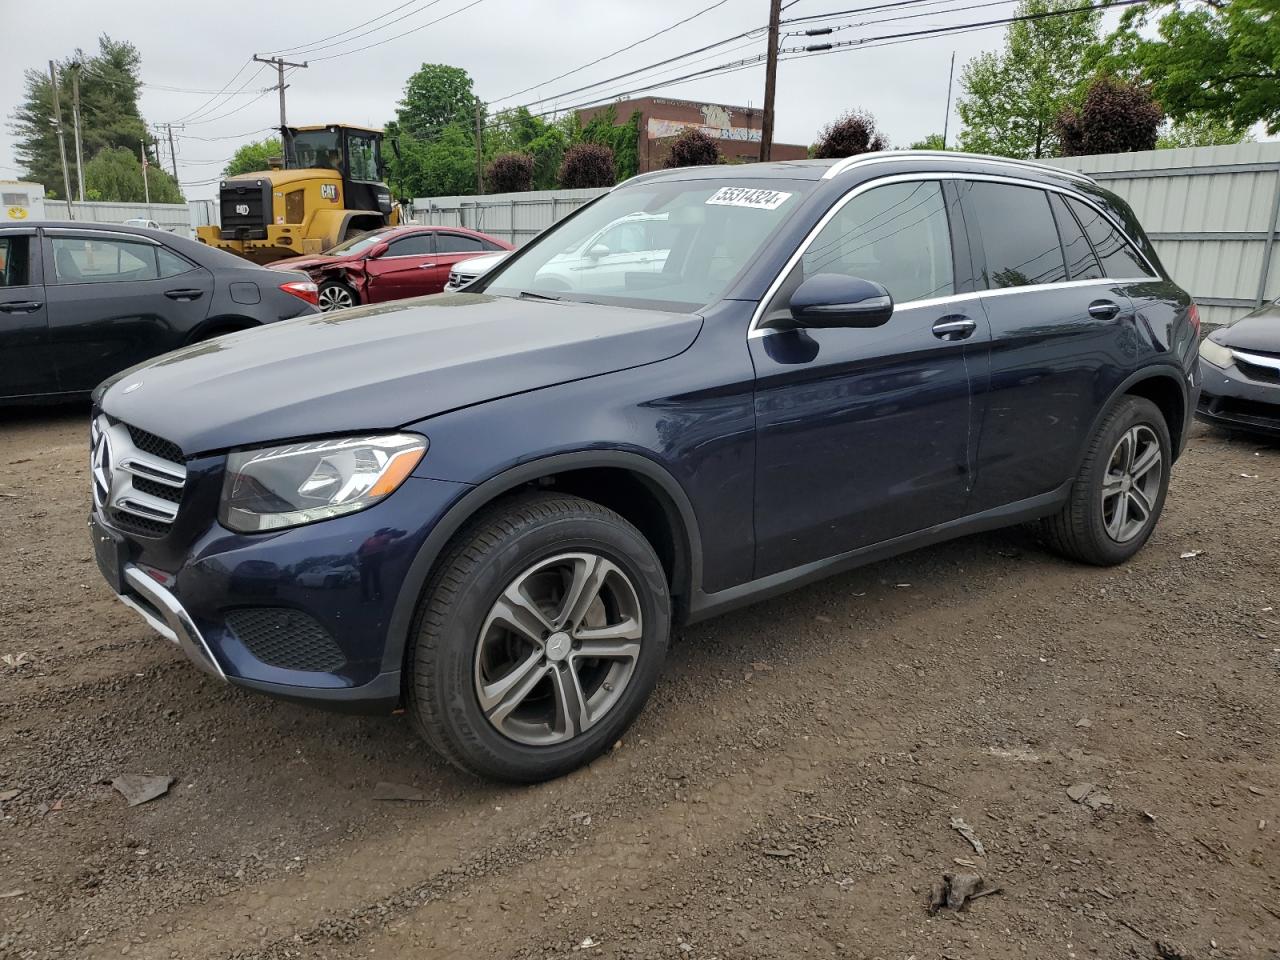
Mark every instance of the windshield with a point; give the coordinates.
(357, 244)
(317, 148)
(659, 245)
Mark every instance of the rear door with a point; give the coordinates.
(115, 300)
(26, 366)
(1058, 334)
(452, 248)
(407, 269)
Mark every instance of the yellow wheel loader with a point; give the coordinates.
(330, 187)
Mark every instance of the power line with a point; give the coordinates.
(370, 46)
(307, 49)
(607, 56)
(824, 31)
(208, 102)
(292, 50)
(202, 115)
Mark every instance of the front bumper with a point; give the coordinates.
(231, 601)
(1230, 398)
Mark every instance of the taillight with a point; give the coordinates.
(303, 290)
(1193, 314)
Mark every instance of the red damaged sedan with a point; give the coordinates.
(390, 264)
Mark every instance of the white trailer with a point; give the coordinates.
(20, 201)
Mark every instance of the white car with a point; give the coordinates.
(464, 271)
(142, 222)
(638, 243)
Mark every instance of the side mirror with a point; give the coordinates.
(598, 251)
(834, 300)
(377, 251)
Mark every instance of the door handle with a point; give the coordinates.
(21, 306)
(1103, 309)
(954, 328)
(425, 266)
(189, 294)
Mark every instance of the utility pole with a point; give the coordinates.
(770, 81)
(75, 126)
(479, 149)
(62, 144)
(146, 184)
(173, 154)
(946, 122)
(280, 63)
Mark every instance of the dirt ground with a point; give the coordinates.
(788, 792)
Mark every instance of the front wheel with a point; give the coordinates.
(335, 295)
(1119, 493)
(539, 638)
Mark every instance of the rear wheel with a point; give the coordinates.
(539, 639)
(1120, 490)
(336, 295)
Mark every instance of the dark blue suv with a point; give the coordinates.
(706, 387)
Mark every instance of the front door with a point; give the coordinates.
(864, 435)
(26, 366)
(116, 300)
(408, 268)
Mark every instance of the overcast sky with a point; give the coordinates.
(506, 45)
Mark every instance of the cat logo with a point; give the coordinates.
(17, 213)
(329, 191)
(242, 209)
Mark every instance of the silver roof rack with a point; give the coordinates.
(884, 156)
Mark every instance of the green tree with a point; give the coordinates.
(932, 142)
(1012, 99)
(1116, 116)
(109, 114)
(436, 95)
(444, 166)
(1199, 130)
(519, 131)
(115, 174)
(253, 157)
(623, 139)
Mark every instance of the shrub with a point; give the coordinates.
(1115, 117)
(509, 173)
(851, 134)
(693, 148)
(587, 165)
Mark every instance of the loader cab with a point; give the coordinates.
(354, 152)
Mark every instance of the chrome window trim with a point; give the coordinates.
(755, 330)
(885, 156)
(84, 234)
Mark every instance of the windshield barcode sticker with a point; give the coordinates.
(747, 197)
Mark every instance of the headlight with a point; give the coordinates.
(283, 486)
(1216, 353)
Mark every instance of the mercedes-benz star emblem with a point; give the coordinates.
(100, 465)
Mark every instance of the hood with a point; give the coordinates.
(382, 366)
(474, 266)
(1259, 331)
(306, 264)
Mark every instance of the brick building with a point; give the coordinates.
(735, 129)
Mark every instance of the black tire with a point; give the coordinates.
(336, 295)
(495, 550)
(1080, 529)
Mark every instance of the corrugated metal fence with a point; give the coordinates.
(170, 216)
(514, 217)
(1211, 213)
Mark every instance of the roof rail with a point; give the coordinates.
(883, 156)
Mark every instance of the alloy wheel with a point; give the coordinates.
(1131, 484)
(558, 648)
(334, 297)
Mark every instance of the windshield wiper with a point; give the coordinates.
(533, 295)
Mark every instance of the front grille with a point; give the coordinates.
(1247, 410)
(290, 639)
(1256, 372)
(138, 478)
(156, 446)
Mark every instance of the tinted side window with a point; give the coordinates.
(171, 265)
(1119, 260)
(418, 245)
(490, 245)
(1018, 235)
(15, 261)
(456, 243)
(1081, 263)
(896, 235)
(81, 260)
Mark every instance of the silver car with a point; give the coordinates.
(467, 270)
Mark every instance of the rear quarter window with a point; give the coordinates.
(1119, 260)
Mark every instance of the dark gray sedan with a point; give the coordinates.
(82, 301)
(1240, 368)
